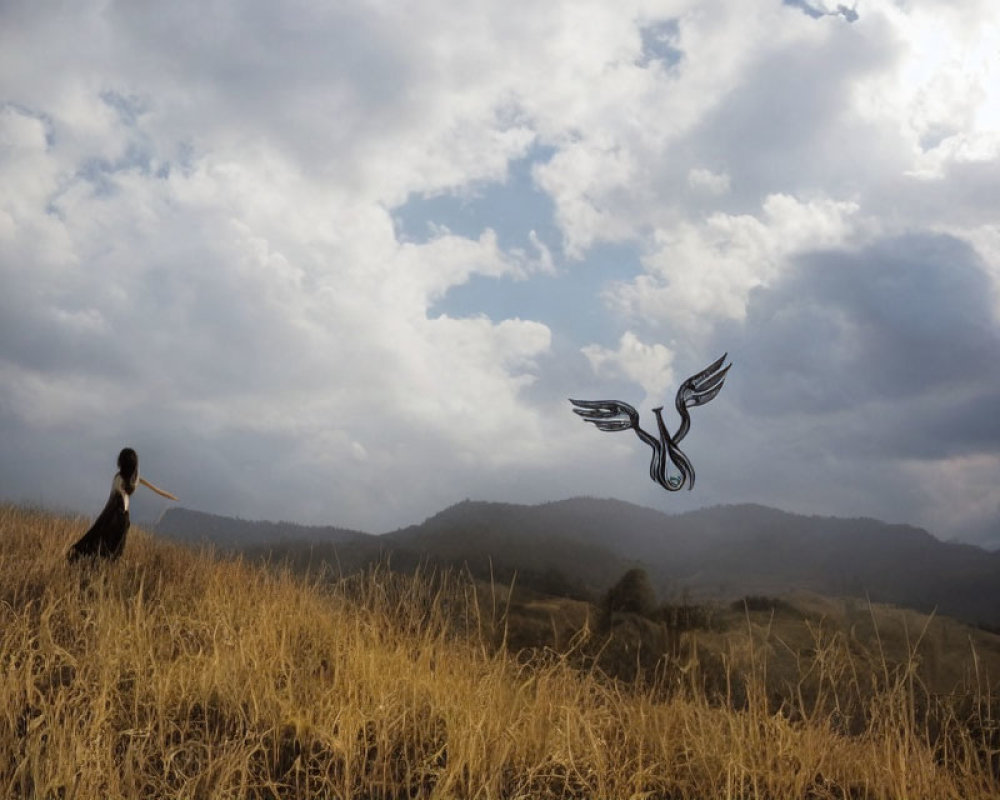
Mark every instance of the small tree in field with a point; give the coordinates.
(633, 594)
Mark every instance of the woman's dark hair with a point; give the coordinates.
(128, 467)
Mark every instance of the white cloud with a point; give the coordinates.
(716, 183)
(196, 218)
(701, 273)
(649, 365)
(942, 93)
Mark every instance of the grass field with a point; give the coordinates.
(173, 674)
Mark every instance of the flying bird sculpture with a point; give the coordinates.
(106, 537)
(613, 415)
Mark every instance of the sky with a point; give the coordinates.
(345, 263)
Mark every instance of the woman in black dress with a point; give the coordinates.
(106, 537)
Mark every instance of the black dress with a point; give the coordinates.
(106, 537)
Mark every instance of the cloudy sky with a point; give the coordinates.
(344, 262)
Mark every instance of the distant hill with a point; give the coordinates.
(231, 533)
(547, 545)
(583, 545)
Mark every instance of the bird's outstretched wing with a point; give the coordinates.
(699, 389)
(696, 391)
(614, 415)
(608, 415)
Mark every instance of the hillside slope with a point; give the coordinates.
(171, 674)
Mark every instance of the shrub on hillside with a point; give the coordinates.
(632, 594)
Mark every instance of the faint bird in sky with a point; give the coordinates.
(106, 537)
(613, 415)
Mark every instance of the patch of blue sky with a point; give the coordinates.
(128, 107)
(100, 172)
(660, 43)
(512, 209)
(818, 10)
(138, 155)
(568, 300)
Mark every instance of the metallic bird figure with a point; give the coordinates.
(613, 415)
(106, 537)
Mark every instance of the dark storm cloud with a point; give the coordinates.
(59, 339)
(963, 195)
(899, 337)
(947, 425)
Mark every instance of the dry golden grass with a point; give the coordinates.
(170, 674)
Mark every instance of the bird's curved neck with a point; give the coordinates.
(669, 449)
(685, 425)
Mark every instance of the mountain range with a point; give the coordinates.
(581, 546)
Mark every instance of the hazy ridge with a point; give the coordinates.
(194, 527)
(584, 545)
